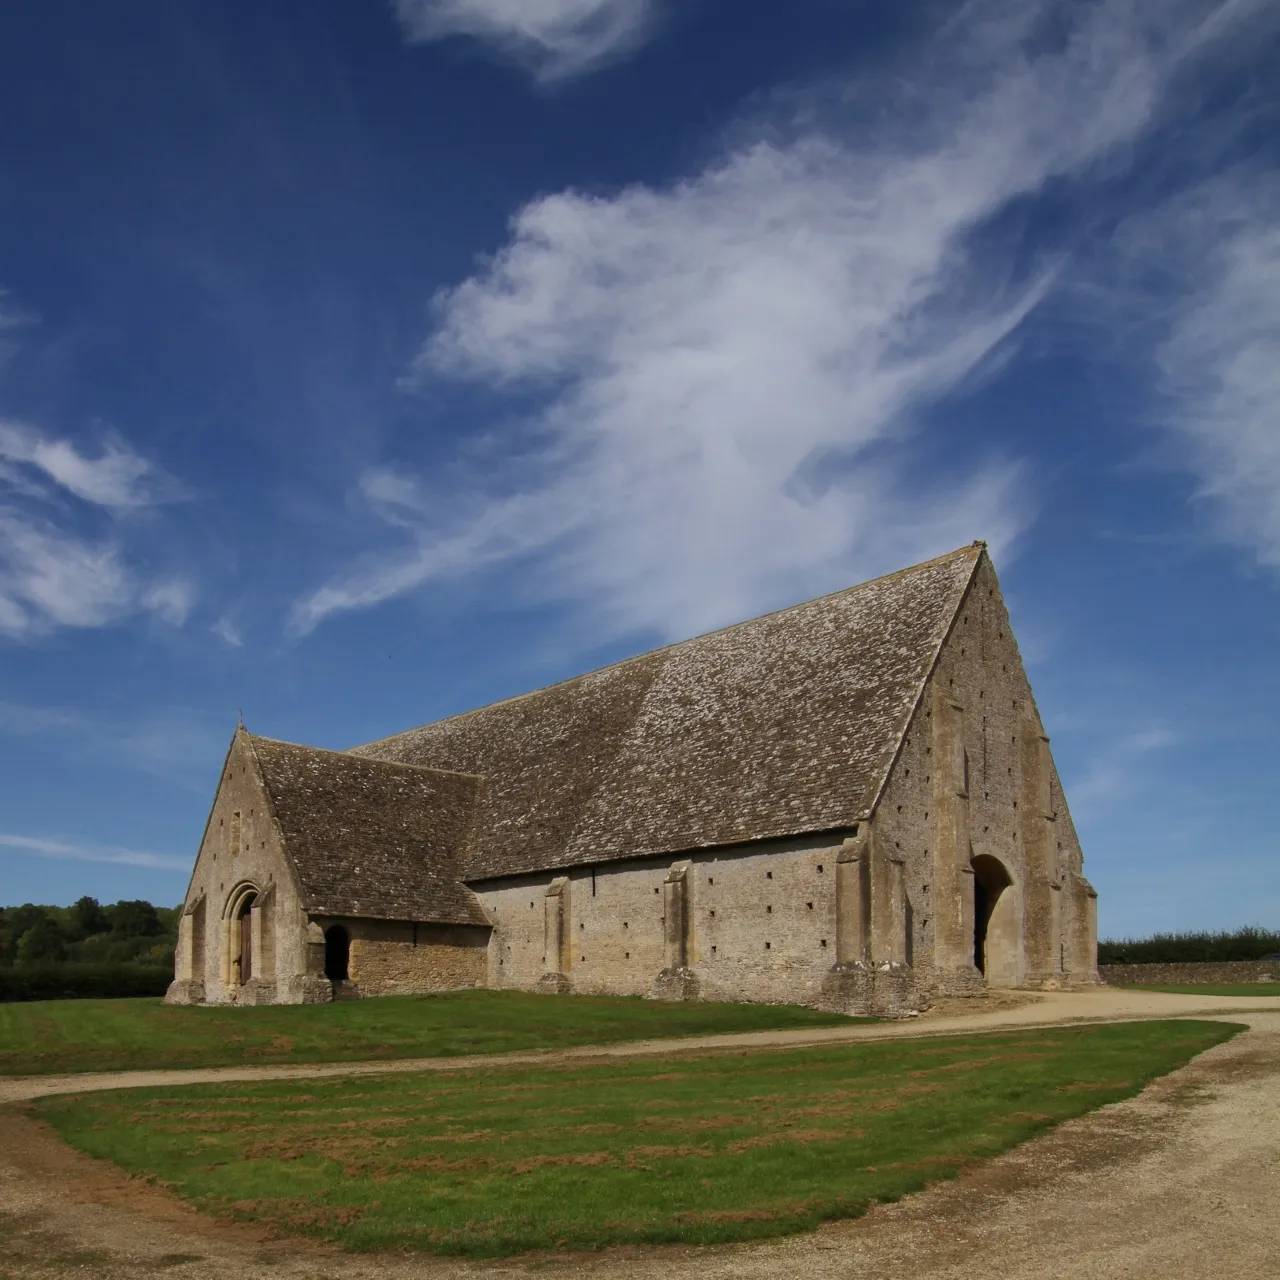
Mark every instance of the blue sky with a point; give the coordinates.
(362, 362)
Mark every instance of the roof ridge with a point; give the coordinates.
(973, 548)
(349, 755)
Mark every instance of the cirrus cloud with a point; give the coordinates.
(54, 570)
(555, 39)
(731, 369)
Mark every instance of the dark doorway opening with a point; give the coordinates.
(990, 880)
(245, 926)
(337, 953)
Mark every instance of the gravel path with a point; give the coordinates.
(1000, 1012)
(1180, 1183)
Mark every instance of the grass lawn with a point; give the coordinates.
(1210, 988)
(692, 1148)
(107, 1035)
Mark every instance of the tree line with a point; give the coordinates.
(1249, 943)
(86, 950)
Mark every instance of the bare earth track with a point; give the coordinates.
(1182, 1182)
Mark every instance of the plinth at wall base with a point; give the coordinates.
(187, 991)
(308, 988)
(876, 991)
(676, 984)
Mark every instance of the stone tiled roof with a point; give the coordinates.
(371, 838)
(779, 726)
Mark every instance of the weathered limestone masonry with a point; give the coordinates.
(398, 958)
(754, 924)
(242, 937)
(850, 804)
(971, 848)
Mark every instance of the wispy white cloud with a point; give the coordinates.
(42, 848)
(117, 478)
(227, 629)
(53, 572)
(12, 319)
(555, 39)
(1219, 363)
(179, 744)
(1115, 769)
(732, 367)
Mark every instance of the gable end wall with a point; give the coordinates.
(993, 731)
(223, 865)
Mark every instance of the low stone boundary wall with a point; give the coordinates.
(1119, 975)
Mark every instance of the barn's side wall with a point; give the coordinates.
(758, 924)
(241, 849)
(390, 957)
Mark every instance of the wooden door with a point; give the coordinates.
(246, 946)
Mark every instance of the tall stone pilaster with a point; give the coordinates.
(1037, 831)
(952, 872)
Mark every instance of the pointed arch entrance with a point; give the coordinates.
(995, 922)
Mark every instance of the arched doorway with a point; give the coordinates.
(244, 930)
(238, 957)
(995, 922)
(337, 953)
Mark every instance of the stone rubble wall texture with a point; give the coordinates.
(760, 924)
(1195, 972)
(395, 958)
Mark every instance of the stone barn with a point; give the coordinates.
(850, 804)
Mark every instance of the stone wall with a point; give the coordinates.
(240, 854)
(1178, 974)
(758, 924)
(395, 958)
(975, 779)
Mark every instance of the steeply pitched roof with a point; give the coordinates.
(782, 725)
(371, 838)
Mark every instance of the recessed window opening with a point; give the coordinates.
(819, 868)
(769, 908)
(711, 879)
(766, 946)
(768, 875)
(809, 905)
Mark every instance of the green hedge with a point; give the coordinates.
(1250, 943)
(71, 981)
